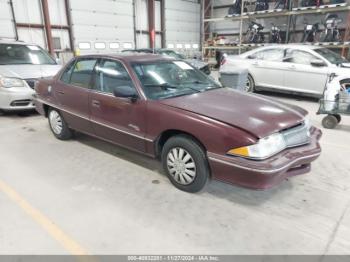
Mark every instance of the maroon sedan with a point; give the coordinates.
(167, 109)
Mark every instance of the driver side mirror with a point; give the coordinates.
(126, 92)
(251, 57)
(317, 63)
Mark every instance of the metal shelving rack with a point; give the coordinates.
(275, 13)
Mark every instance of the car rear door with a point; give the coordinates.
(72, 94)
(116, 119)
(265, 67)
(300, 75)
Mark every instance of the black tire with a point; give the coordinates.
(329, 122)
(250, 85)
(63, 133)
(195, 182)
(338, 117)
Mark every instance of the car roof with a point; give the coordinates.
(139, 50)
(132, 57)
(13, 42)
(296, 46)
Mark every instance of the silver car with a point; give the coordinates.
(21, 65)
(299, 69)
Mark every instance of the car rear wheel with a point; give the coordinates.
(185, 163)
(58, 126)
(250, 85)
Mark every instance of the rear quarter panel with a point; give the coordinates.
(44, 94)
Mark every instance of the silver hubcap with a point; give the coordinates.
(55, 122)
(181, 166)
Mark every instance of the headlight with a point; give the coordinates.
(265, 148)
(8, 82)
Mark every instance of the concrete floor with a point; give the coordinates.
(64, 197)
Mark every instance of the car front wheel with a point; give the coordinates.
(58, 126)
(185, 163)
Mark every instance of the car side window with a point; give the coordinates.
(257, 55)
(299, 57)
(65, 77)
(111, 74)
(82, 72)
(275, 54)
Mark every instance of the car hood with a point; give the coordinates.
(255, 114)
(196, 63)
(29, 71)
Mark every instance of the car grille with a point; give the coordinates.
(24, 102)
(31, 82)
(296, 136)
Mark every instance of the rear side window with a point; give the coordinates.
(275, 54)
(65, 77)
(82, 72)
(111, 74)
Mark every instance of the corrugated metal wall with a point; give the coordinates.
(58, 16)
(29, 11)
(104, 26)
(6, 24)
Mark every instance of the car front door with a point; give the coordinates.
(72, 93)
(266, 67)
(116, 119)
(300, 75)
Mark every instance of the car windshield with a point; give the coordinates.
(331, 56)
(14, 54)
(166, 79)
(173, 54)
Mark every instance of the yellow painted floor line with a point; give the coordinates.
(68, 243)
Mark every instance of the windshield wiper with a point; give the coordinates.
(164, 86)
(181, 94)
(209, 85)
(198, 82)
(167, 86)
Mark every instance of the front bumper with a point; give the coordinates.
(17, 99)
(266, 173)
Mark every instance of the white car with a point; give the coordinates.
(21, 65)
(287, 68)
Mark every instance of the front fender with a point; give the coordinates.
(215, 136)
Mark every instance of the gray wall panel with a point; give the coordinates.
(6, 24)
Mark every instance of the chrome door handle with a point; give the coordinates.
(292, 67)
(95, 103)
(61, 92)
